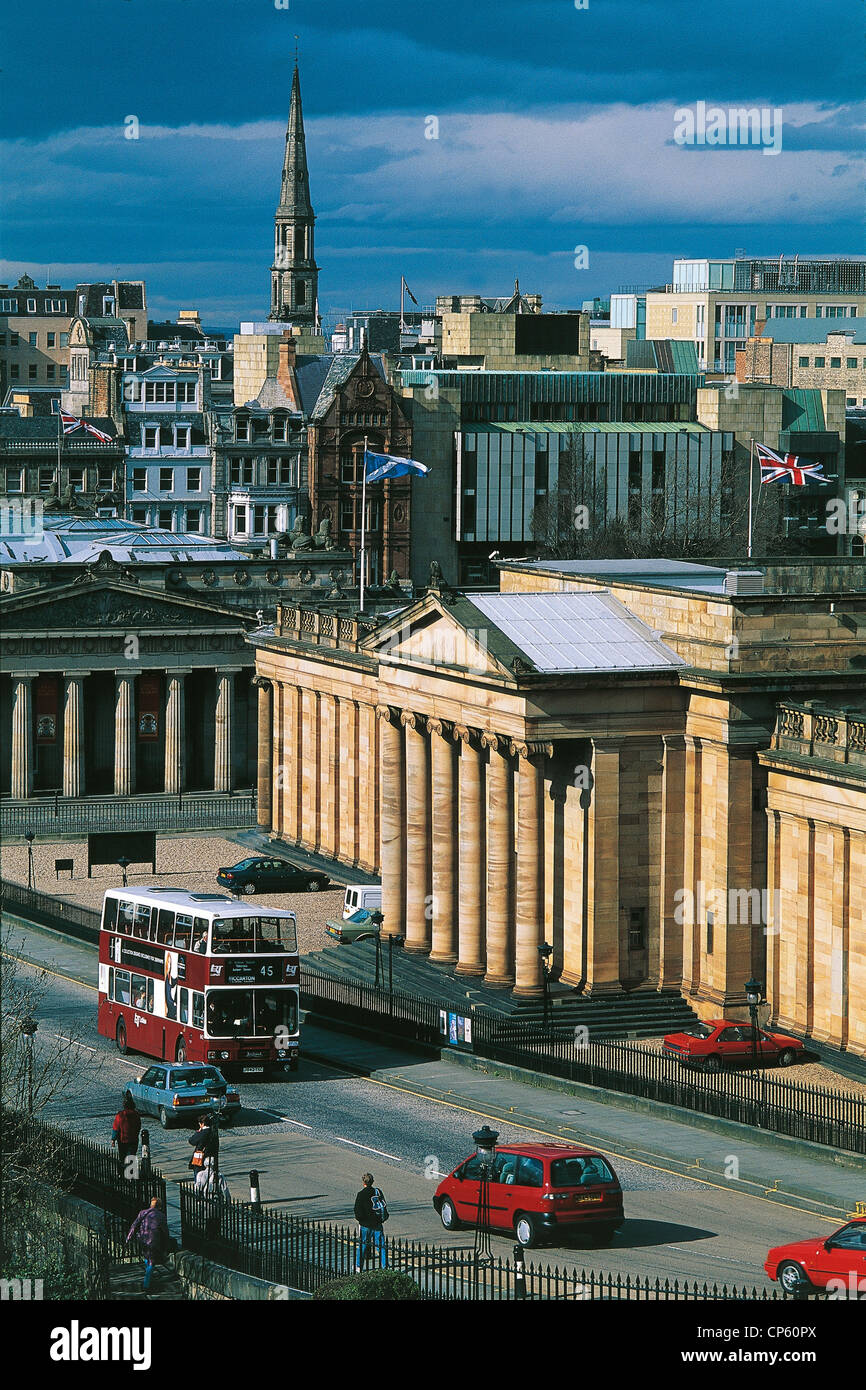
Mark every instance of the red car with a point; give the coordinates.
(836, 1263)
(720, 1040)
(536, 1192)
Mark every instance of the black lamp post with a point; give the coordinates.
(485, 1151)
(754, 997)
(29, 1027)
(377, 918)
(545, 952)
(392, 942)
(124, 865)
(29, 837)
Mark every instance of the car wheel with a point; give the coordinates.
(180, 1052)
(120, 1037)
(248, 888)
(788, 1057)
(713, 1064)
(526, 1230)
(792, 1278)
(448, 1216)
(313, 885)
(163, 1117)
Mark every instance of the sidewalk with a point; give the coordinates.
(795, 1173)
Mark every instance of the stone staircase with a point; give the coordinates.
(643, 1013)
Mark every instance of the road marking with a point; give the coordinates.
(285, 1119)
(100, 1050)
(340, 1140)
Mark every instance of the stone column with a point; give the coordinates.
(290, 764)
(73, 736)
(692, 866)
(224, 726)
(329, 774)
(471, 851)
(444, 875)
(530, 868)
(672, 863)
(392, 802)
(124, 735)
(22, 736)
(500, 861)
(418, 846)
(265, 751)
(602, 906)
(175, 733)
(732, 880)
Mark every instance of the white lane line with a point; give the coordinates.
(285, 1119)
(87, 1046)
(340, 1140)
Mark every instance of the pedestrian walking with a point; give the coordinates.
(150, 1229)
(125, 1132)
(205, 1157)
(371, 1213)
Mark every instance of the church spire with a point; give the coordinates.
(294, 274)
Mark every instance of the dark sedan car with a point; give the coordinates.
(271, 876)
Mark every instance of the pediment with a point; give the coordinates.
(109, 606)
(431, 637)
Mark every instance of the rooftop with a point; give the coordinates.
(81, 540)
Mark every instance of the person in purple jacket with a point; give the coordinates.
(151, 1230)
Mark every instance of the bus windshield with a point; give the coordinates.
(250, 1013)
(254, 934)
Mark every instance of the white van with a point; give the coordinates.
(368, 898)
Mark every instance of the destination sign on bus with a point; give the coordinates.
(251, 970)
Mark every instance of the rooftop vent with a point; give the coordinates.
(744, 582)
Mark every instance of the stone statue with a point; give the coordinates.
(393, 580)
(299, 539)
(323, 540)
(50, 502)
(436, 577)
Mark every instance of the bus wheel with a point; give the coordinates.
(120, 1037)
(180, 1052)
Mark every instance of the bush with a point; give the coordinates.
(381, 1284)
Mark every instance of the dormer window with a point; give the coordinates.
(242, 427)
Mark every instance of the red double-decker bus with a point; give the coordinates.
(199, 977)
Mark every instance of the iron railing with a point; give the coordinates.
(55, 815)
(301, 1254)
(35, 1150)
(408, 1015)
(17, 900)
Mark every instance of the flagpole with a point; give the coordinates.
(751, 477)
(402, 304)
(59, 443)
(363, 523)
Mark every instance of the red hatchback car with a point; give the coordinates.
(536, 1192)
(720, 1040)
(836, 1262)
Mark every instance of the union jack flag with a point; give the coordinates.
(776, 468)
(72, 422)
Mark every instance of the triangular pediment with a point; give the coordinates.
(95, 606)
(429, 635)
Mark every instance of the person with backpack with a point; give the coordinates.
(150, 1229)
(371, 1213)
(125, 1131)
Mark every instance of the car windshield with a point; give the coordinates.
(851, 1237)
(202, 1076)
(244, 936)
(237, 1013)
(579, 1172)
(700, 1030)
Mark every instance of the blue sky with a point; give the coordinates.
(555, 130)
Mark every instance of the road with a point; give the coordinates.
(311, 1138)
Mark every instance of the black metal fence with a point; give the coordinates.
(47, 816)
(17, 900)
(757, 1098)
(34, 1150)
(304, 1255)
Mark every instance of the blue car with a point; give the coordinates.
(183, 1093)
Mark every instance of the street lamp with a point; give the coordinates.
(545, 952)
(754, 997)
(392, 941)
(485, 1151)
(29, 1028)
(377, 918)
(124, 865)
(29, 837)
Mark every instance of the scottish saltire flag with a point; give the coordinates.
(787, 468)
(378, 466)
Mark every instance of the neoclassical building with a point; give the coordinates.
(578, 760)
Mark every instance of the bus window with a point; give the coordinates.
(109, 914)
(165, 926)
(182, 931)
(150, 996)
(142, 921)
(199, 933)
(125, 916)
(268, 933)
(233, 934)
(229, 1013)
(121, 984)
(139, 991)
(111, 982)
(275, 1011)
(198, 1010)
(183, 1016)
